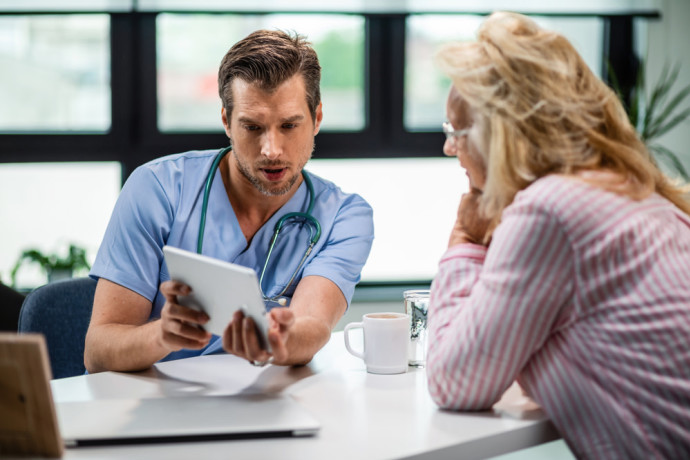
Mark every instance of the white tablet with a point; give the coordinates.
(219, 289)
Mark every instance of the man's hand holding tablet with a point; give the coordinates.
(207, 295)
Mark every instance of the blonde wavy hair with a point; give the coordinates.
(545, 112)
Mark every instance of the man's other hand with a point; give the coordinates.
(240, 337)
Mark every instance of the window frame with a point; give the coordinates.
(134, 138)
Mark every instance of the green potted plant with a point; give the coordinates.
(55, 266)
(657, 112)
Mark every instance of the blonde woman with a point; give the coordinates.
(568, 267)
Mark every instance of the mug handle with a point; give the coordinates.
(347, 339)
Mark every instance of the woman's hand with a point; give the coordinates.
(470, 226)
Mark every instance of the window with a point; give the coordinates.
(426, 88)
(55, 73)
(188, 59)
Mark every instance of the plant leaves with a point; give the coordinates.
(659, 92)
(661, 130)
(671, 157)
(658, 124)
(75, 260)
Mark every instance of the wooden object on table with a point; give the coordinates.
(28, 423)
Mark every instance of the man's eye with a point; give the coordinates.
(289, 125)
(251, 127)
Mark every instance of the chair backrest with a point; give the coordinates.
(61, 311)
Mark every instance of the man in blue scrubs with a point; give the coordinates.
(271, 111)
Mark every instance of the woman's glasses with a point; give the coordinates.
(452, 134)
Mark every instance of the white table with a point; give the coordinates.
(363, 416)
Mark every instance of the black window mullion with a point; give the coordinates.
(619, 53)
(378, 81)
(142, 94)
(394, 85)
(123, 58)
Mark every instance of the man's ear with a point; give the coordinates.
(226, 121)
(319, 117)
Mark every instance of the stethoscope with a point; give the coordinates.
(305, 217)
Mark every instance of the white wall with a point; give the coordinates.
(48, 206)
(669, 42)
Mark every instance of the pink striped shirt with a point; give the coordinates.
(584, 298)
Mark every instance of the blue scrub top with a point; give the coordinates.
(161, 204)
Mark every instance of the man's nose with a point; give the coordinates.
(271, 145)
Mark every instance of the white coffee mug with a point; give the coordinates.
(385, 342)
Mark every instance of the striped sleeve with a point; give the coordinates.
(490, 310)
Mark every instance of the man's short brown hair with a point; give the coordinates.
(268, 58)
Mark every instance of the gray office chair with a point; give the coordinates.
(61, 311)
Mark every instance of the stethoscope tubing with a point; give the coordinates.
(306, 216)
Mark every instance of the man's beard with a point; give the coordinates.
(245, 170)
